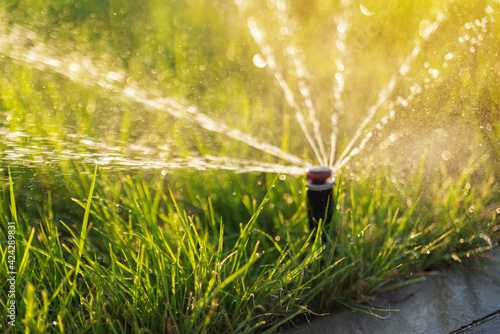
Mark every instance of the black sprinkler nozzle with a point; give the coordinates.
(319, 195)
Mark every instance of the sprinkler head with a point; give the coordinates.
(318, 175)
(320, 196)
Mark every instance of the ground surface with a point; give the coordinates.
(456, 300)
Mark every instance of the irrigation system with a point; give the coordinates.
(319, 195)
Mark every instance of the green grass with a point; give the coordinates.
(136, 261)
(125, 249)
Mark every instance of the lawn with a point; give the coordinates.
(153, 156)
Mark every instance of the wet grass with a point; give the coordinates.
(130, 258)
(123, 248)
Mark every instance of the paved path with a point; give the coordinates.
(458, 300)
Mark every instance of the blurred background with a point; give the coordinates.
(97, 71)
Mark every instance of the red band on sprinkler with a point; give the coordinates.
(318, 174)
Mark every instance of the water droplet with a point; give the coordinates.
(425, 28)
(402, 101)
(90, 108)
(404, 69)
(434, 73)
(281, 5)
(115, 76)
(341, 27)
(415, 89)
(365, 10)
(259, 61)
(277, 238)
(282, 177)
(472, 208)
(446, 155)
(153, 138)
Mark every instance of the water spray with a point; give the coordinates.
(319, 195)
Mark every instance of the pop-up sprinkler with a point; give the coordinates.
(319, 195)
